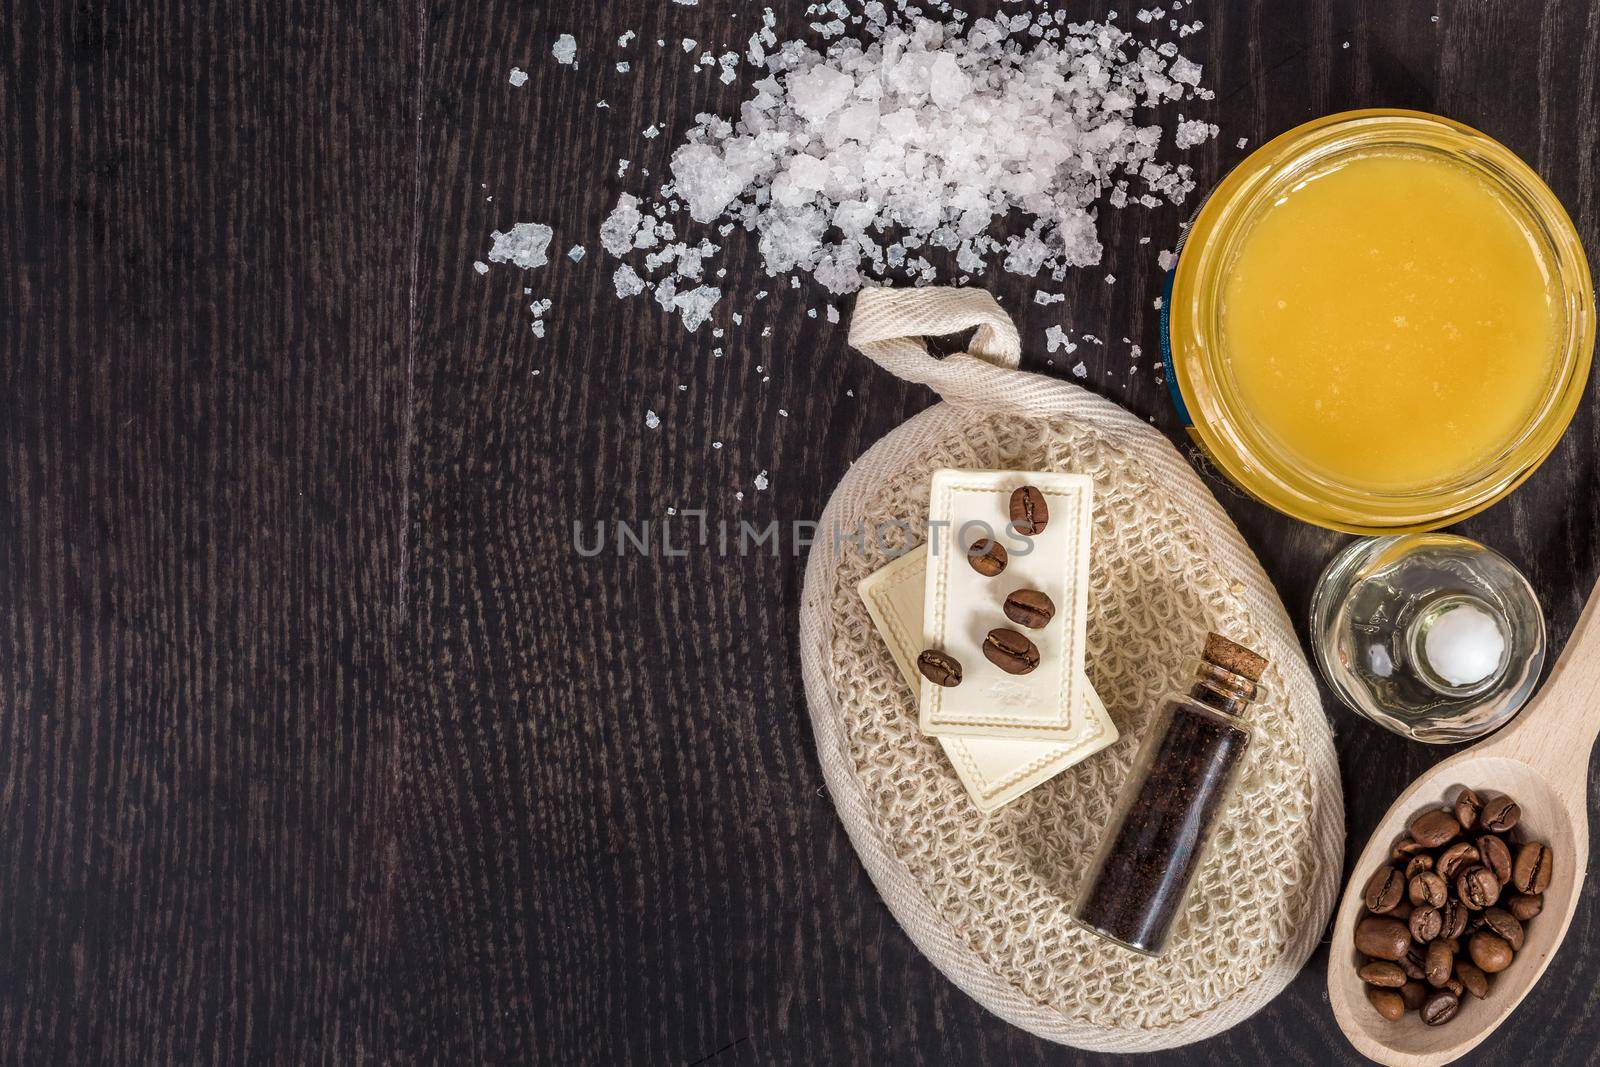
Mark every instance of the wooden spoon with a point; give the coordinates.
(1542, 761)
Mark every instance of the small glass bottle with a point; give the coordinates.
(1179, 784)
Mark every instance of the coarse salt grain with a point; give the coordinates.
(651, 419)
(851, 164)
(519, 77)
(524, 245)
(565, 50)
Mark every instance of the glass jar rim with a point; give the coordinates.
(1224, 424)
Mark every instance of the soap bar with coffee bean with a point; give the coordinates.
(995, 770)
(1017, 627)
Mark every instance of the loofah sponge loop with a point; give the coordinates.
(988, 898)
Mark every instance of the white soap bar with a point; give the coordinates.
(995, 770)
(960, 606)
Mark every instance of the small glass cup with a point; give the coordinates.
(1376, 619)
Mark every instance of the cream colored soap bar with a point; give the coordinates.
(995, 771)
(961, 606)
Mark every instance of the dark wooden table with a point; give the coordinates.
(318, 743)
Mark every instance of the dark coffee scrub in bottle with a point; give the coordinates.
(1179, 784)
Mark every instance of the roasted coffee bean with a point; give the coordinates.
(1414, 993)
(1454, 985)
(1434, 828)
(1429, 888)
(1440, 964)
(1489, 951)
(1467, 807)
(1477, 887)
(987, 557)
(1496, 856)
(1499, 814)
(1525, 905)
(1384, 890)
(1390, 1005)
(1382, 938)
(1531, 871)
(1030, 608)
(1010, 651)
(1419, 863)
(1029, 514)
(1405, 848)
(1382, 973)
(1425, 924)
(1440, 1008)
(1454, 859)
(1412, 962)
(1473, 979)
(1505, 924)
(1452, 919)
(939, 668)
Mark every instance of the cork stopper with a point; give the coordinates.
(1233, 657)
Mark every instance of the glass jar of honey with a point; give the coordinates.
(1381, 321)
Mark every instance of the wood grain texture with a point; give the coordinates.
(320, 743)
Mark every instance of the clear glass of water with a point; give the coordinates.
(1433, 636)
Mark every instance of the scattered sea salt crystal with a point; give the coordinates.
(523, 245)
(716, 444)
(480, 266)
(1079, 370)
(565, 50)
(622, 166)
(651, 419)
(739, 495)
(519, 77)
(761, 480)
(626, 39)
(628, 282)
(833, 314)
(1193, 132)
(1166, 260)
(1242, 142)
(854, 162)
(652, 133)
(1045, 299)
(576, 253)
(782, 413)
(623, 68)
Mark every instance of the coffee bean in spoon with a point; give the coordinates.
(1382, 973)
(1499, 814)
(1477, 887)
(1405, 848)
(1414, 993)
(1531, 871)
(1010, 651)
(1382, 938)
(1467, 807)
(940, 668)
(1030, 608)
(1455, 858)
(1419, 863)
(1489, 951)
(1029, 513)
(1434, 828)
(1440, 1008)
(1496, 856)
(1505, 924)
(1525, 906)
(1472, 979)
(1453, 919)
(1439, 964)
(1429, 888)
(1425, 924)
(1384, 890)
(1390, 1004)
(987, 557)
(1412, 962)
